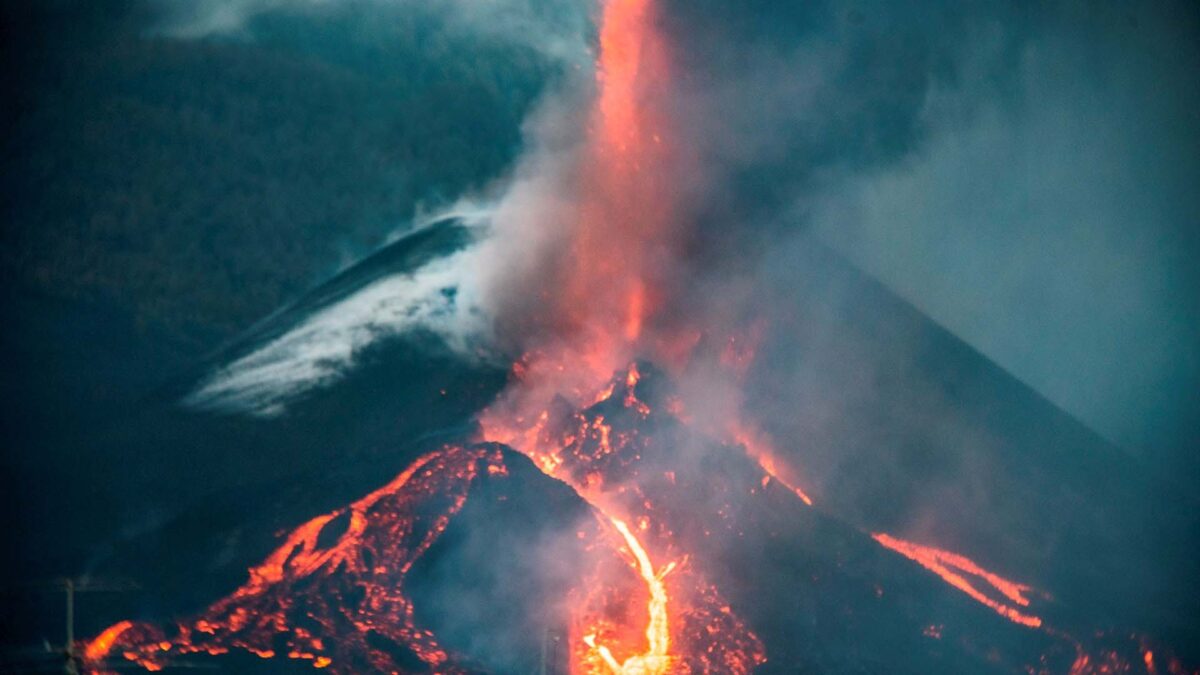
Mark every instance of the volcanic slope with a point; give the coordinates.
(869, 455)
(463, 561)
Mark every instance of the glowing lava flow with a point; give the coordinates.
(99, 647)
(605, 291)
(688, 626)
(329, 595)
(658, 634)
(951, 567)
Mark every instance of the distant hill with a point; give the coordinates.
(198, 184)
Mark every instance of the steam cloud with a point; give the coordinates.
(435, 298)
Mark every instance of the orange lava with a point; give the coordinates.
(98, 648)
(656, 659)
(760, 449)
(952, 567)
(304, 583)
(607, 287)
(690, 629)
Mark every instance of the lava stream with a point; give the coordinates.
(952, 567)
(99, 647)
(658, 634)
(329, 603)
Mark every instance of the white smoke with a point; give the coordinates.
(440, 298)
(557, 29)
(459, 298)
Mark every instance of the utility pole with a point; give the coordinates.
(70, 586)
(72, 659)
(48, 657)
(550, 656)
(545, 640)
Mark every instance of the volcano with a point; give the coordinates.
(486, 557)
(637, 481)
(472, 558)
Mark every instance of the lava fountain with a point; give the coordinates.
(605, 287)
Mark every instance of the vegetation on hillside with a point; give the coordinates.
(199, 184)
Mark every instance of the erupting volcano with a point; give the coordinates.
(663, 508)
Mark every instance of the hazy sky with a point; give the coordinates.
(1056, 230)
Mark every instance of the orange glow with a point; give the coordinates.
(759, 448)
(621, 39)
(301, 583)
(607, 282)
(604, 294)
(300, 556)
(98, 648)
(564, 411)
(951, 567)
(590, 452)
(636, 312)
(656, 659)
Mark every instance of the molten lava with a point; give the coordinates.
(341, 578)
(352, 589)
(954, 569)
(657, 658)
(99, 647)
(760, 449)
(601, 460)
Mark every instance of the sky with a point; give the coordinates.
(1057, 231)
